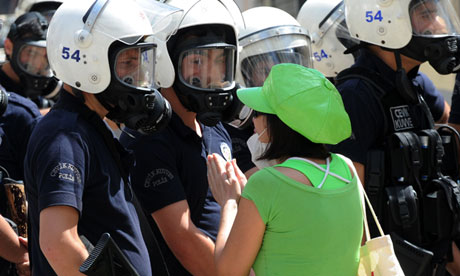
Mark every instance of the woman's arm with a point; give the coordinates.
(241, 228)
(239, 239)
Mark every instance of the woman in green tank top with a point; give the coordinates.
(302, 216)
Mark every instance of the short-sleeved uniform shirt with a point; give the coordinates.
(171, 167)
(17, 123)
(366, 114)
(454, 117)
(433, 98)
(69, 164)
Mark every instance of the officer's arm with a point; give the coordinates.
(10, 247)
(192, 248)
(59, 240)
(445, 114)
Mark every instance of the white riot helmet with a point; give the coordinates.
(105, 47)
(204, 54)
(325, 21)
(271, 36)
(425, 30)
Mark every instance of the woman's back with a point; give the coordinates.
(309, 231)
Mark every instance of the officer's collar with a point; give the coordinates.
(368, 59)
(66, 98)
(72, 103)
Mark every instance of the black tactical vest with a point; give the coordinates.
(414, 202)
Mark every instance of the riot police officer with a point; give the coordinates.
(335, 50)
(384, 104)
(169, 176)
(77, 174)
(27, 71)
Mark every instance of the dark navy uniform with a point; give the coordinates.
(454, 117)
(433, 98)
(69, 164)
(366, 114)
(9, 84)
(171, 167)
(17, 123)
(240, 148)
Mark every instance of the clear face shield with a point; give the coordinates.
(32, 59)
(208, 67)
(134, 66)
(334, 26)
(262, 50)
(435, 35)
(164, 20)
(255, 69)
(431, 18)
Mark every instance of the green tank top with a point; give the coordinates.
(309, 231)
(332, 175)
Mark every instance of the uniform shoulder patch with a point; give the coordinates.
(67, 172)
(158, 177)
(226, 151)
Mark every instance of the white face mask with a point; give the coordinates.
(257, 148)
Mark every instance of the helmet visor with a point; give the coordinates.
(255, 69)
(433, 18)
(165, 19)
(207, 68)
(33, 60)
(135, 66)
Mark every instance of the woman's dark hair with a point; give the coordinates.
(286, 142)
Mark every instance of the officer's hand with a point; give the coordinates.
(23, 268)
(222, 180)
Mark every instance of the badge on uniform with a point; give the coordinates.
(226, 152)
(401, 117)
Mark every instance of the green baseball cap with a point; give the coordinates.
(304, 100)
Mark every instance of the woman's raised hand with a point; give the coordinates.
(223, 180)
(239, 174)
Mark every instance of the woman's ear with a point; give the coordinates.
(8, 46)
